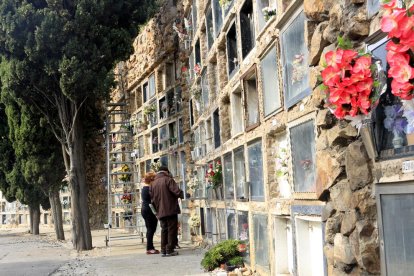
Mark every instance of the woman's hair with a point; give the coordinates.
(149, 177)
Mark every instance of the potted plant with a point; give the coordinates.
(224, 252)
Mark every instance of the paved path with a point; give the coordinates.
(29, 255)
(24, 254)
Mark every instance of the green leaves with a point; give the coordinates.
(344, 43)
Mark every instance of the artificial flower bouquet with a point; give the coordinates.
(398, 22)
(348, 82)
(214, 174)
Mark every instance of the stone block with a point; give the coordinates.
(357, 165)
(315, 10)
(365, 246)
(318, 98)
(314, 73)
(322, 142)
(327, 171)
(364, 200)
(318, 43)
(348, 222)
(341, 196)
(339, 135)
(342, 250)
(332, 227)
(324, 118)
(327, 211)
(328, 251)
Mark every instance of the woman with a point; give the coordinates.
(151, 220)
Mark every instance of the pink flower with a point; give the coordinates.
(397, 48)
(402, 90)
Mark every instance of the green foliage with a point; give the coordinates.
(344, 43)
(224, 252)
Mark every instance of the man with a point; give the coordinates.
(165, 194)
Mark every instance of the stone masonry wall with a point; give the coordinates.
(344, 171)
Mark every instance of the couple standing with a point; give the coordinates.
(163, 193)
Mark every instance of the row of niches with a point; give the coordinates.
(298, 240)
(157, 111)
(161, 81)
(164, 137)
(239, 174)
(175, 160)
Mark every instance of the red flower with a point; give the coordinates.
(398, 48)
(349, 83)
(403, 90)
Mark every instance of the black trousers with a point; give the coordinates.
(169, 231)
(151, 222)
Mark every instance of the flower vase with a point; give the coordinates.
(410, 139)
(397, 141)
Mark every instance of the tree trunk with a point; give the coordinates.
(56, 208)
(31, 220)
(34, 219)
(81, 232)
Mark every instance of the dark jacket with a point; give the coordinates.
(164, 195)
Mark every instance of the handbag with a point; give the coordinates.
(153, 209)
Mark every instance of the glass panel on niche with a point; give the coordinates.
(398, 233)
(256, 171)
(210, 29)
(218, 16)
(261, 241)
(269, 71)
(252, 100)
(221, 226)
(243, 234)
(232, 59)
(163, 138)
(302, 139)
(151, 87)
(240, 174)
(231, 225)
(247, 27)
(228, 176)
(295, 61)
(216, 121)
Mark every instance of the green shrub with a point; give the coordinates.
(223, 252)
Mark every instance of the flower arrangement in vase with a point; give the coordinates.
(149, 109)
(193, 184)
(214, 174)
(155, 166)
(197, 69)
(126, 197)
(195, 220)
(395, 123)
(348, 82)
(398, 23)
(268, 12)
(125, 177)
(408, 113)
(224, 3)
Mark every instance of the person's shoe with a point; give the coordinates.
(153, 251)
(163, 254)
(174, 253)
